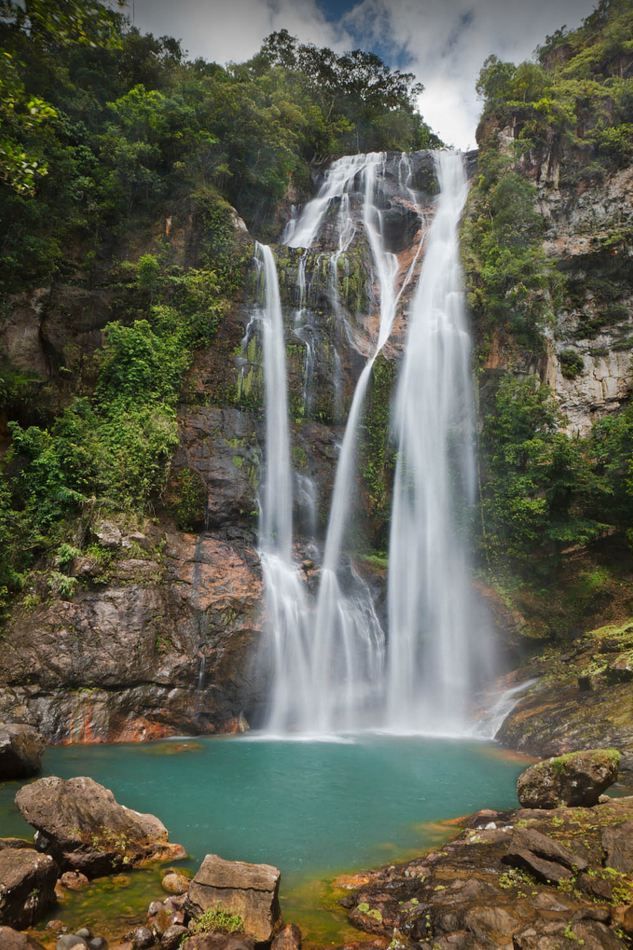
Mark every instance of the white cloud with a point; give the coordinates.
(232, 30)
(443, 41)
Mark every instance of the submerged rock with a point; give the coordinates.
(578, 778)
(82, 825)
(74, 880)
(174, 882)
(248, 891)
(27, 886)
(21, 749)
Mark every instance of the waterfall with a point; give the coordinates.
(331, 666)
(284, 595)
(432, 641)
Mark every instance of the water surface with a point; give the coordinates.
(314, 809)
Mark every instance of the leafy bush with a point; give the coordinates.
(217, 920)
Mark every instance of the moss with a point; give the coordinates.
(378, 456)
(188, 499)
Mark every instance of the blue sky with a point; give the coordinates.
(444, 42)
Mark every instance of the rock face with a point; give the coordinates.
(27, 886)
(83, 827)
(578, 778)
(21, 749)
(161, 647)
(576, 703)
(250, 891)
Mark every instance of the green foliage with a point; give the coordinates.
(102, 126)
(217, 920)
(578, 96)
(533, 475)
(189, 500)
(512, 286)
(378, 456)
(571, 364)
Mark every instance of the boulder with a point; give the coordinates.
(80, 823)
(617, 842)
(74, 880)
(576, 779)
(27, 886)
(11, 939)
(172, 938)
(21, 749)
(174, 882)
(250, 891)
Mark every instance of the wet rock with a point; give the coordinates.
(489, 922)
(11, 939)
(74, 880)
(173, 937)
(142, 938)
(596, 887)
(578, 778)
(617, 842)
(289, 938)
(27, 886)
(21, 749)
(250, 891)
(81, 824)
(98, 943)
(553, 935)
(175, 883)
(108, 534)
(70, 941)
(545, 847)
(539, 868)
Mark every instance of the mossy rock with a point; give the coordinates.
(573, 779)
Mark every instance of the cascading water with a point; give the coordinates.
(326, 655)
(432, 643)
(285, 601)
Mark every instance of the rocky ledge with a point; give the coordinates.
(529, 879)
(582, 697)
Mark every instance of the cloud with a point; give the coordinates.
(443, 41)
(232, 30)
(446, 41)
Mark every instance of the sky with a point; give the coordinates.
(444, 42)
